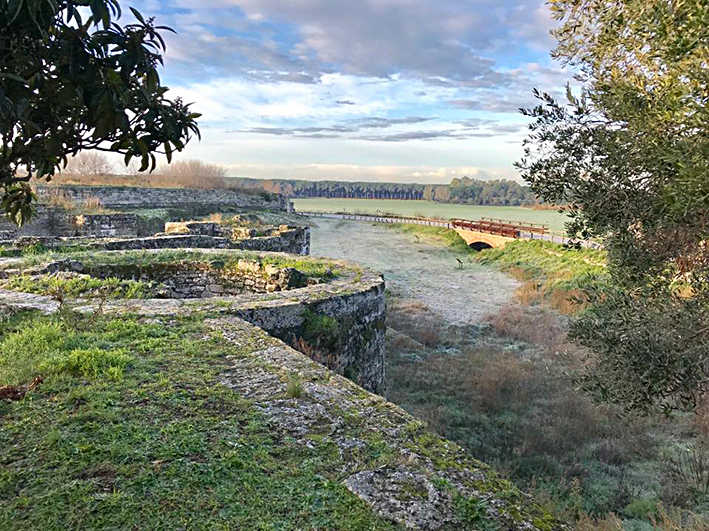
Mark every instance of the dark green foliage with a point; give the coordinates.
(649, 341)
(629, 155)
(73, 79)
(321, 332)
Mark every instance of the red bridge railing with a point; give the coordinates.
(500, 227)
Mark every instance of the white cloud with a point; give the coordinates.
(413, 89)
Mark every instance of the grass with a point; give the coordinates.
(323, 269)
(554, 219)
(294, 389)
(551, 273)
(506, 394)
(448, 237)
(131, 429)
(84, 286)
(58, 198)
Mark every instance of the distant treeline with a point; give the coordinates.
(464, 191)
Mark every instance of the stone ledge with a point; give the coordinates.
(421, 482)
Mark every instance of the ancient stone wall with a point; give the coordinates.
(49, 222)
(340, 323)
(183, 280)
(128, 197)
(106, 225)
(281, 239)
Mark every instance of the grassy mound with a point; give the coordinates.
(130, 429)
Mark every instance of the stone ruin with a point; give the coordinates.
(296, 299)
(124, 231)
(259, 300)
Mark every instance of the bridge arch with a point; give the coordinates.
(479, 246)
(482, 240)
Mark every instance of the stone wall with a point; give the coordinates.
(281, 239)
(186, 280)
(119, 232)
(51, 222)
(106, 225)
(47, 222)
(128, 197)
(349, 312)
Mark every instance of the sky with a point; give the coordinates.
(372, 90)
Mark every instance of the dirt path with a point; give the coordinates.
(417, 268)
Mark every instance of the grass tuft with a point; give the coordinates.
(294, 388)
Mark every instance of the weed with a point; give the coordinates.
(78, 286)
(88, 362)
(294, 388)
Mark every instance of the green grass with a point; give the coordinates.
(554, 219)
(548, 262)
(162, 445)
(448, 237)
(323, 269)
(311, 268)
(112, 288)
(551, 271)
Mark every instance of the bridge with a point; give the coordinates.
(487, 233)
(479, 234)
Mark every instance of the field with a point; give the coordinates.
(554, 219)
(478, 350)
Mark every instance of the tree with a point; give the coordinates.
(69, 83)
(629, 153)
(88, 163)
(194, 174)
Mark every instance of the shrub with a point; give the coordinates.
(322, 332)
(537, 326)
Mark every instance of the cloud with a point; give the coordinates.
(455, 134)
(351, 126)
(441, 42)
(382, 123)
(372, 82)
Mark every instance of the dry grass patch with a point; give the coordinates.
(537, 326)
(58, 198)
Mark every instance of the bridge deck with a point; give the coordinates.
(509, 229)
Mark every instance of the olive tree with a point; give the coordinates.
(628, 153)
(73, 79)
